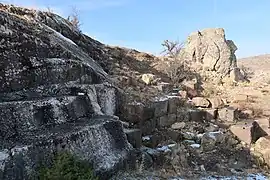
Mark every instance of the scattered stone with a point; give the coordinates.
(183, 114)
(246, 113)
(160, 107)
(167, 120)
(134, 137)
(209, 140)
(148, 126)
(173, 103)
(164, 87)
(137, 112)
(197, 146)
(183, 94)
(189, 136)
(211, 114)
(227, 114)
(262, 149)
(200, 102)
(216, 102)
(174, 135)
(148, 78)
(178, 125)
(197, 115)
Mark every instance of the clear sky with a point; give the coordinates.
(144, 24)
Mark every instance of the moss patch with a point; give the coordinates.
(65, 166)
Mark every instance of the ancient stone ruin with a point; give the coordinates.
(57, 93)
(53, 96)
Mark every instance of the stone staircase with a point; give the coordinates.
(78, 118)
(54, 96)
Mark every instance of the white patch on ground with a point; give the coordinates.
(170, 97)
(18, 149)
(171, 145)
(135, 103)
(200, 135)
(146, 138)
(189, 141)
(163, 149)
(160, 99)
(195, 145)
(3, 156)
(214, 134)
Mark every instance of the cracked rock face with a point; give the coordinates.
(210, 48)
(54, 96)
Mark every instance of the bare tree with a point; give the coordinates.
(177, 68)
(49, 10)
(74, 18)
(172, 48)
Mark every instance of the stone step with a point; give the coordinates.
(103, 95)
(19, 117)
(100, 140)
(134, 137)
(243, 130)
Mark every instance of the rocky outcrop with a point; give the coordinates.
(54, 96)
(212, 50)
(261, 150)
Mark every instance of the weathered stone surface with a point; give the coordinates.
(178, 125)
(200, 102)
(262, 149)
(210, 139)
(236, 75)
(148, 78)
(173, 103)
(216, 102)
(50, 91)
(248, 133)
(227, 114)
(148, 126)
(137, 112)
(197, 115)
(183, 114)
(160, 107)
(210, 48)
(211, 114)
(174, 135)
(134, 137)
(167, 120)
(183, 94)
(100, 141)
(164, 87)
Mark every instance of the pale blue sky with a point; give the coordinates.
(144, 24)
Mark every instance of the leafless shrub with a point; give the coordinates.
(49, 10)
(171, 48)
(247, 72)
(74, 18)
(176, 67)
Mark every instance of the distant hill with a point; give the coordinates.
(260, 62)
(260, 65)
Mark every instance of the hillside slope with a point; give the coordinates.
(259, 66)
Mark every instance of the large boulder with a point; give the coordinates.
(262, 150)
(212, 50)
